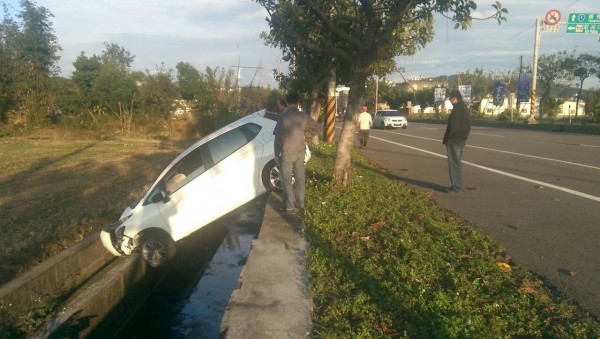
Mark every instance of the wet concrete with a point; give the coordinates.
(191, 299)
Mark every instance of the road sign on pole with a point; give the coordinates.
(552, 17)
(584, 18)
(583, 28)
(583, 23)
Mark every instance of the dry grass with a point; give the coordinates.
(55, 192)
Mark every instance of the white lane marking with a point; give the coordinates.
(535, 157)
(514, 176)
(584, 145)
(508, 152)
(490, 135)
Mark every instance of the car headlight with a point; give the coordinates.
(122, 219)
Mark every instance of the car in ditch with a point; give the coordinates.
(211, 178)
(390, 118)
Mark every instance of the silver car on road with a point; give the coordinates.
(389, 118)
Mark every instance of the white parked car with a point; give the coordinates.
(216, 175)
(389, 118)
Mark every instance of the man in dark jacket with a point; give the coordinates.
(290, 149)
(457, 132)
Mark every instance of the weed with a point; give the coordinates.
(385, 261)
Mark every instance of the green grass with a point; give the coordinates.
(385, 261)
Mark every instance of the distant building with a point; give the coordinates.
(181, 109)
(567, 109)
(417, 84)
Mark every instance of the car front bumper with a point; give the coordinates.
(395, 124)
(112, 242)
(105, 237)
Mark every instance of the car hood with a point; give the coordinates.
(128, 211)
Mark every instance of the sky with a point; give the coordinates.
(225, 34)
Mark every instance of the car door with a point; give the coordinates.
(192, 198)
(237, 155)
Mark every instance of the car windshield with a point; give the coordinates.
(391, 114)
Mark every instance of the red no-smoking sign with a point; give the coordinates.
(552, 17)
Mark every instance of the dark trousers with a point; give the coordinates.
(455, 152)
(363, 137)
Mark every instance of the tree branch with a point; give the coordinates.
(326, 21)
(278, 21)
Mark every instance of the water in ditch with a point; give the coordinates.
(191, 299)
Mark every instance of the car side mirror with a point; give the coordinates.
(159, 197)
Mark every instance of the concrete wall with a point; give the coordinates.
(102, 292)
(53, 278)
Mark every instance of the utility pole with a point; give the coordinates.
(518, 92)
(376, 93)
(536, 47)
(329, 130)
(239, 79)
(550, 23)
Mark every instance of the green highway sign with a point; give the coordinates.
(583, 28)
(584, 18)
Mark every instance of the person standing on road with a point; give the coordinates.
(455, 138)
(290, 148)
(364, 126)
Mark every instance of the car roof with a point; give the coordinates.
(252, 117)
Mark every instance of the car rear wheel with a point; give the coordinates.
(156, 248)
(271, 177)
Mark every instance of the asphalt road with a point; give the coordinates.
(536, 193)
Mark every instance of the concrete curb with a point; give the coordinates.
(271, 300)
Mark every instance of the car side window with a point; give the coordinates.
(184, 171)
(227, 143)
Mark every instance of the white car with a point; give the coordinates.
(389, 118)
(216, 175)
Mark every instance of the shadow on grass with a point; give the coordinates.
(58, 200)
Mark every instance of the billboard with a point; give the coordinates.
(465, 91)
(439, 95)
(524, 87)
(499, 93)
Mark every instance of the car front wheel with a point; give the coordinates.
(156, 248)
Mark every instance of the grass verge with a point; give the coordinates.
(54, 192)
(385, 261)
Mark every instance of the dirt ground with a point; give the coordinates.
(55, 192)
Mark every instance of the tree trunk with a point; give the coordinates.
(343, 163)
(315, 110)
